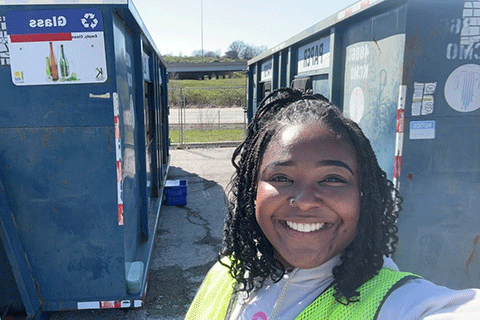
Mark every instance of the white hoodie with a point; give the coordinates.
(416, 299)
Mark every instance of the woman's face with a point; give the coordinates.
(312, 165)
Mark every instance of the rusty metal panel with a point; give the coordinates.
(61, 185)
(439, 228)
(373, 59)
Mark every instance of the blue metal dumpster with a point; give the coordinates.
(408, 73)
(83, 154)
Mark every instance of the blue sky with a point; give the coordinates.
(175, 25)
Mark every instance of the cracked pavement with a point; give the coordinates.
(188, 238)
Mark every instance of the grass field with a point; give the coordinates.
(220, 93)
(238, 80)
(197, 136)
(208, 92)
(209, 83)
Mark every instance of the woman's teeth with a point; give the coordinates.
(306, 227)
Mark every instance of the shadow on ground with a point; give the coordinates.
(186, 246)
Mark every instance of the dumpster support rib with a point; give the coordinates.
(17, 258)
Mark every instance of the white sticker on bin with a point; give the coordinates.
(118, 304)
(422, 130)
(88, 305)
(172, 183)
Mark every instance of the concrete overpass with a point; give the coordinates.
(180, 71)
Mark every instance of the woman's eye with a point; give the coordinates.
(334, 179)
(280, 178)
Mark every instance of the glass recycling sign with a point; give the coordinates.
(52, 47)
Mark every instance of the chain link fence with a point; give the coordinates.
(203, 115)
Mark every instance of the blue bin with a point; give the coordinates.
(175, 192)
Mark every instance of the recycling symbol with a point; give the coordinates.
(89, 20)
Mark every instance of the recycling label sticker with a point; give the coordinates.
(462, 88)
(52, 47)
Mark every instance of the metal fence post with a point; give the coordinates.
(183, 117)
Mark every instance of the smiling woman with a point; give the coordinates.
(311, 227)
(308, 196)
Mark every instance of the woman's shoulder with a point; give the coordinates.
(422, 299)
(220, 267)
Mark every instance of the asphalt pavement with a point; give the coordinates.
(187, 239)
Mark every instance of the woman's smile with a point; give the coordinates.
(296, 231)
(306, 227)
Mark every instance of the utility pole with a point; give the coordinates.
(201, 13)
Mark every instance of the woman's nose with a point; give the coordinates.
(306, 198)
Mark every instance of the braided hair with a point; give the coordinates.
(251, 255)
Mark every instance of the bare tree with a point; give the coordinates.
(231, 55)
(241, 50)
(237, 47)
(252, 51)
(212, 54)
(206, 54)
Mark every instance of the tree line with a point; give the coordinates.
(237, 50)
(241, 50)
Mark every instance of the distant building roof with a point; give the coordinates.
(240, 65)
(200, 70)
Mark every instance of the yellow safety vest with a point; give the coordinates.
(212, 299)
